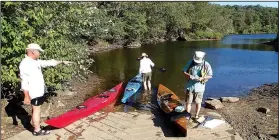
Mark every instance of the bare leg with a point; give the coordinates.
(149, 85)
(188, 107)
(145, 86)
(198, 108)
(187, 104)
(36, 117)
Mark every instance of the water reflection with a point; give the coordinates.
(247, 39)
(236, 67)
(140, 101)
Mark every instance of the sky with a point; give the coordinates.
(264, 4)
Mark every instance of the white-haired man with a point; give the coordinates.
(198, 71)
(32, 82)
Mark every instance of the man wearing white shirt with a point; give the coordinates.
(32, 82)
(146, 71)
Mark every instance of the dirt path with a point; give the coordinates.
(250, 123)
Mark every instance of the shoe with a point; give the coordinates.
(188, 117)
(196, 117)
(41, 132)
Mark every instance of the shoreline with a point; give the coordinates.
(79, 91)
(99, 48)
(249, 125)
(273, 43)
(254, 124)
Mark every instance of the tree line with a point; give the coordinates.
(64, 28)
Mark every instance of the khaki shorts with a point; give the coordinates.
(193, 96)
(146, 76)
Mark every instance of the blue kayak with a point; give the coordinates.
(133, 86)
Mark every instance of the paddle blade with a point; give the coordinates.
(162, 69)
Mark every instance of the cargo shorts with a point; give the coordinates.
(146, 76)
(193, 96)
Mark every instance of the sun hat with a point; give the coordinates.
(144, 54)
(198, 56)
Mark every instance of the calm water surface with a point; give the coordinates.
(239, 63)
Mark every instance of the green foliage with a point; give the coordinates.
(135, 25)
(52, 26)
(60, 27)
(208, 35)
(152, 20)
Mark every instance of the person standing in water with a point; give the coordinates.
(197, 71)
(145, 69)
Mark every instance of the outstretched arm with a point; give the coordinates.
(49, 63)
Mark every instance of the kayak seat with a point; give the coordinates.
(81, 106)
(166, 97)
(135, 81)
(103, 96)
(112, 90)
(130, 89)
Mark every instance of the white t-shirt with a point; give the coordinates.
(145, 65)
(31, 75)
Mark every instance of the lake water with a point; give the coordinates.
(239, 64)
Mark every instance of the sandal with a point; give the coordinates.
(188, 117)
(41, 132)
(196, 117)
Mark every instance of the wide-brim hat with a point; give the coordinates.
(198, 57)
(144, 54)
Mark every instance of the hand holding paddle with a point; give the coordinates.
(160, 69)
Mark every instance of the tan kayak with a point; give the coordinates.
(168, 101)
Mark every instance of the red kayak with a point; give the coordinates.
(87, 108)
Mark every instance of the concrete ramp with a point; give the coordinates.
(127, 126)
